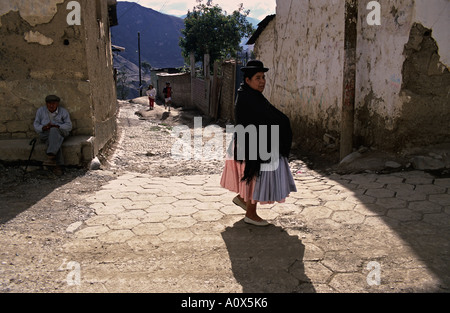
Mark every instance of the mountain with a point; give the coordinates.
(160, 35)
(253, 21)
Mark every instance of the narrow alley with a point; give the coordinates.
(147, 223)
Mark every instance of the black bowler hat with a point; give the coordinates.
(52, 98)
(255, 66)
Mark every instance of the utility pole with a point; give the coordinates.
(348, 92)
(140, 71)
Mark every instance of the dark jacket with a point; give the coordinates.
(252, 108)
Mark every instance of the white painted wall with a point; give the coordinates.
(381, 52)
(303, 47)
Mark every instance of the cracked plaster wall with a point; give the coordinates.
(303, 47)
(33, 12)
(41, 54)
(391, 113)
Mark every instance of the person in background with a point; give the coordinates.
(53, 125)
(167, 96)
(151, 93)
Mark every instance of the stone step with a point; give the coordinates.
(77, 150)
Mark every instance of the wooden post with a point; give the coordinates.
(348, 92)
(192, 61)
(206, 68)
(140, 67)
(215, 91)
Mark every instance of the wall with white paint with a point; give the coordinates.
(303, 47)
(391, 111)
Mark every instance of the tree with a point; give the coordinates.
(208, 29)
(122, 89)
(147, 68)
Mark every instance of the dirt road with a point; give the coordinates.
(36, 208)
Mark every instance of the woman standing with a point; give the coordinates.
(245, 174)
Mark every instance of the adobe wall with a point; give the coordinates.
(181, 85)
(227, 96)
(99, 59)
(41, 54)
(35, 62)
(402, 83)
(303, 48)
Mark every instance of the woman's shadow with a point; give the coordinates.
(266, 259)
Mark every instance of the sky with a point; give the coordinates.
(259, 9)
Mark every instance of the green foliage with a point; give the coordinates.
(122, 89)
(146, 67)
(208, 29)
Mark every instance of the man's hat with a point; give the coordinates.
(52, 98)
(255, 66)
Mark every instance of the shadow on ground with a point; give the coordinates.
(19, 191)
(267, 259)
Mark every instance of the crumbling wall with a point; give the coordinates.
(402, 90)
(38, 59)
(33, 12)
(425, 116)
(98, 55)
(303, 47)
(402, 86)
(41, 54)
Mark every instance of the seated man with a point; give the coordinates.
(53, 125)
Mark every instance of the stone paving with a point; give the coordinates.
(338, 233)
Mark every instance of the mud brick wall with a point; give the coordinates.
(402, 82)
(200, 95)
(181, 85)
(42, 54)
(227, 98)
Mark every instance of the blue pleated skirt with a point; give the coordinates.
(276, 185)
(269, 187)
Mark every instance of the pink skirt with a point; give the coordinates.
(232, 180)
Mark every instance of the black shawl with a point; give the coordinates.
(252, 108)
